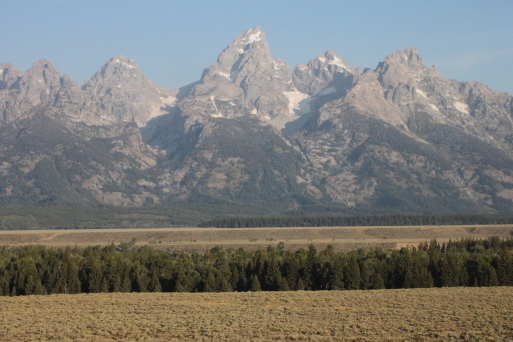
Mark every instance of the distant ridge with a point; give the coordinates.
(321, 139)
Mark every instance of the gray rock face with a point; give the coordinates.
(40, 84)
(121, 89)
(245, 79)
(55, 140)
(328, 70)
(9, 76)
(43, 86)
(398, 138)
(405, 118)
(420, 91)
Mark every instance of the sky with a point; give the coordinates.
(173, 41)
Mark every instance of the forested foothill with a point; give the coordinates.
(360, 221)
(220, 216)
(33, 270)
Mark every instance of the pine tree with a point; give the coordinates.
(210, 283)
(310, 270)
(126, 283)
(179, 287)
(94, 276)
(377, 282)
(272, 275)
(352, 275)
(255, 284)
(291, 271)
(505, 268)
(154, 284)
(301, 285)
(225, 286)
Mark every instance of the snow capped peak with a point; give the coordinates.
(242, 53)
(252, 35)
(327, 59)
(320, 72)
(334, 59)
(124, 61)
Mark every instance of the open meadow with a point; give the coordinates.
(201, 239)
(445, 314)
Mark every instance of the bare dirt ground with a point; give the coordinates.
(201, 239)
(446, 314)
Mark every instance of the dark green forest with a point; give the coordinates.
(220, 215)
(361, 220)
(34, 270)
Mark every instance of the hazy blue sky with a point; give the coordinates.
(173, 41)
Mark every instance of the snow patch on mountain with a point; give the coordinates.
(298, 102)
(434, 107)
(129, 66)
(225, 75)
(462, 107)
(254, 37)
(326, 91)
(421, 93)
(338, 62)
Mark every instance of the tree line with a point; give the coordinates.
(34, 270)
(351, 221)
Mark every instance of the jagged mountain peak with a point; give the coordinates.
(43, 63)
(407, 54)
(119, 66)
(408, 58)
(404, 67)
(320, 72)
(9, 76)
(43, 68)
(331, 58)
(252, 35)
(249, 45)
(121, 89)
(400, 136)
(247, 78)
(123, 61)
(6, 67)
(40, 84)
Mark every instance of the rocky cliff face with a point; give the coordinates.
(248, 66)
(59, 147)
(120, 89)
(402, 135)
(327, 136)
(245, 81)
(328, 73)
(9, 76)
(42, 86)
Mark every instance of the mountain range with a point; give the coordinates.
(325, 137)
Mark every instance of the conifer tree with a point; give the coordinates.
(154, 283)
(352, 275)
(210, 283)
(505, 268)
(255, 284)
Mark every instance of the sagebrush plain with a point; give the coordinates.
(201, 239)
(446, 314)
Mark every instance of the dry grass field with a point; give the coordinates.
(446, 314)
(201, 239)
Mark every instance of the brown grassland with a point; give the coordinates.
(201, 239)
(445, 314)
